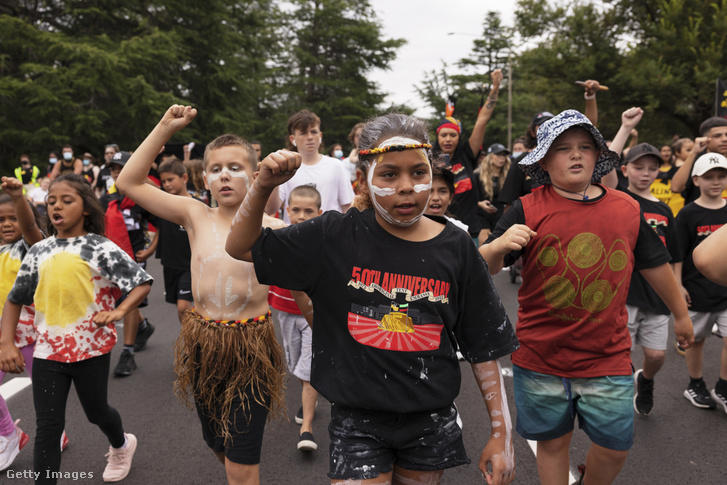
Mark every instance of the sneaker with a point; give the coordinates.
(720, 398)
(715, 331)
(698, 395)
(119, 460)
(306, 442)
(680, 350)
(146, 329)
(643, 393)
(64, 441)
(11, 445)
(126, 364)
(299, 416)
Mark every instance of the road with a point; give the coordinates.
(676, 444)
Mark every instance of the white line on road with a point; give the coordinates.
(14, 386)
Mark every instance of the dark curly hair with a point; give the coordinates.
(93, 221)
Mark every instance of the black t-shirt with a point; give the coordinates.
(648, 253)
(658, 215)
(467, 192)
(516, 183)
(103, 176)
(173, 246)
(387, 311)
(694, 223)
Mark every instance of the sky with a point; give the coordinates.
(425, 25)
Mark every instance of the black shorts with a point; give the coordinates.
(246, 429)
(177, 285)
(365, 444)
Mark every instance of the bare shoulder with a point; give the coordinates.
(272, 222)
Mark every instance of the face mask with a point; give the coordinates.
(338, 153)
(52, 160)
(86, 162)
(67, 155)
(516, 154)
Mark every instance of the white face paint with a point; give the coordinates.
(375, 191)
(212, 177)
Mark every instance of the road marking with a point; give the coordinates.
(14, 386)
(507, 372)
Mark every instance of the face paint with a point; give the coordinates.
(375, 191)
(241, 174)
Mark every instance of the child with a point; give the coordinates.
(173, 245)
(707, 300)
(327, 173)
(137, 329)
(441, 195)
(648, 316)
(391, 293)
(19, 230)
(74, 278)
(227, 357)
(303, 204)
(574, 357)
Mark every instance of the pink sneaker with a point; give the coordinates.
(64, 441)
(11, 445)
(119, 460)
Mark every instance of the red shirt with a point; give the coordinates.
(282, 300)
(572, 319)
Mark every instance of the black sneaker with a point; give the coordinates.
(299, 416)
(643, 393)
(306, 442)
(720, 398)
(698, 395)
(126, 364)
(145, 331)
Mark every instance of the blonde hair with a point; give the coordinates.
(195, 167)
(488, 170)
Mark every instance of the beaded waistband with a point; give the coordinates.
(236, 323)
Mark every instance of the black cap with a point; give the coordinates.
(120, 158)
(642, 150)
(498, 149)
(541, 118)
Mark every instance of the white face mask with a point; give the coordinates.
(375, 191)
(338, 153)
(67, 155)
(86, 162)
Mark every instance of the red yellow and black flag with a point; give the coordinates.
(720, 99)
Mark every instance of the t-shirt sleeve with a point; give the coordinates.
(512, 188)
(682, 235)
(290, 257)
(672, 239)
(26, 281)
(649, 251)
(116, 266)
(345, 190)
(514, 215)
(483, 329)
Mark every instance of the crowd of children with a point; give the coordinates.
(373, 281)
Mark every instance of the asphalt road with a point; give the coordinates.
(676, 444)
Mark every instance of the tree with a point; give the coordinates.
(333, 44)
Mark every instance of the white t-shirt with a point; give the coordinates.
(330, 179)
(37, 195)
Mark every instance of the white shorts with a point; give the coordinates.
(650, 330)
(297, 340)
(703, 322)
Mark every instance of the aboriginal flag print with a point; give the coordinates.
(382, 334)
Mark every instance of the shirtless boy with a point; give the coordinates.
(227, 357)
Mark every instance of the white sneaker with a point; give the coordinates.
(11, 445)
(119, 460)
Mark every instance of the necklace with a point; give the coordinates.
(581, 194)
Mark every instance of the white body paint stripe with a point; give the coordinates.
(14, 386)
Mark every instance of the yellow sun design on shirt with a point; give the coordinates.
(65, 289)
(9, 267)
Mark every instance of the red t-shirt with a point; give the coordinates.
(282, 300)
(572, 319)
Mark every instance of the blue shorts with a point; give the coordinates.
(548, 405)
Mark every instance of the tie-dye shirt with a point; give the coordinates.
(11, 257)
(71, 280)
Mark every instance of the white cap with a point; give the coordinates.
(707, 162)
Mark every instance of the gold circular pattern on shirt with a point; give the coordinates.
(585, 250)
